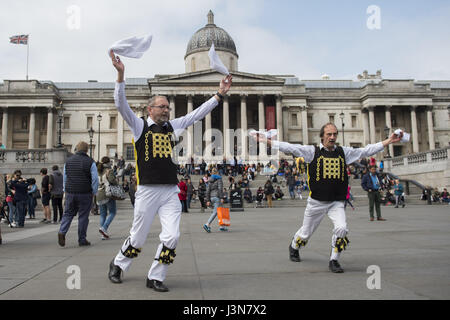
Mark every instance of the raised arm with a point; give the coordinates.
(353, 154)
(136, 124)
(298, 150)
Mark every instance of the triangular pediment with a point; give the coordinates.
(211, 76)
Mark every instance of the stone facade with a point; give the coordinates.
(297, 108)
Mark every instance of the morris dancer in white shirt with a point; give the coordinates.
(157, 191)
(327, 181)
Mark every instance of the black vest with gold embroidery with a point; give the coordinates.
(153, 155)
(327, 177)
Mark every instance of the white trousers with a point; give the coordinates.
(151, 200)
(314, 213)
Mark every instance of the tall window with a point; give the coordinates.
(353, 121)
(331, 118)
(89, 123)
(66, 124)
(113, 122)
(294, 122)
(129, 153)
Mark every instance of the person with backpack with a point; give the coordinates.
(107, 207)
(214, 197)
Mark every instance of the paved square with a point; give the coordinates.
(248, 262)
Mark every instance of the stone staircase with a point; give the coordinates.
(359, 195)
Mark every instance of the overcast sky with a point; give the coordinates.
(302, 38)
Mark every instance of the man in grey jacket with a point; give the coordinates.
(56, 190)
(214, 196)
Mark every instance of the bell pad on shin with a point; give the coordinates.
(300, 242)
(341, 244)
(167, 255)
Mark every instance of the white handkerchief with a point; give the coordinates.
(406, 136)
(133, 47)
(268, 134)
(215, 62)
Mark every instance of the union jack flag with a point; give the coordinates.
(22, 39)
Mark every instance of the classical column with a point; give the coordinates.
(244, 127)
(49, 143)
(5, 127)
(32, 128)
(430, 127)
(372, 124)
(172, 106)
(208, 135)
(190, 137)
(261, 125)
(226, 127)
(366, 131)
(305, 126)
(119, 135)
(415, 140)
(279, 113)
(389, 125)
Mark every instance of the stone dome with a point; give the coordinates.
(203, 39)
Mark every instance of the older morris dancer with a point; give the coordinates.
(328, 181)
(157, 191)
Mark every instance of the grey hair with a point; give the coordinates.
(152, 100)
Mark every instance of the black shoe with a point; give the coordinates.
(61, 239)
(294, 254)
(114, 273)
(156, 285)
(335, 267)
(84, 243)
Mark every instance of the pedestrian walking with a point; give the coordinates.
(80, 186)
(108, 207)
(45, 196)
(214, 197)
(371, 183)
(56, 186)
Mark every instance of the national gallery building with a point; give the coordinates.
(39, 114)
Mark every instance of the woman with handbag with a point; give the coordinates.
(106, 203)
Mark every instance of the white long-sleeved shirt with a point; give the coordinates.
(307, 152)
(179, 124)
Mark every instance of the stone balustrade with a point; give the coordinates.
(30, 161)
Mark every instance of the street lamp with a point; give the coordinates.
(60, 111)
(99, 119)
(91, 135)
(386, 134)
(341, 115)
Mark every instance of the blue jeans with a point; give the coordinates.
(80, 203)
(292, 192)
(31, 206)
(189, 198)
(215, 202)
(105, 218)
(21, 208)
(11, 212)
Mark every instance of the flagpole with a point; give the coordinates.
(28, 43)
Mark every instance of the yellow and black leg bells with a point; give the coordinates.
(167, 255)
(129, 251)
(299, 242)
(341, 244)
